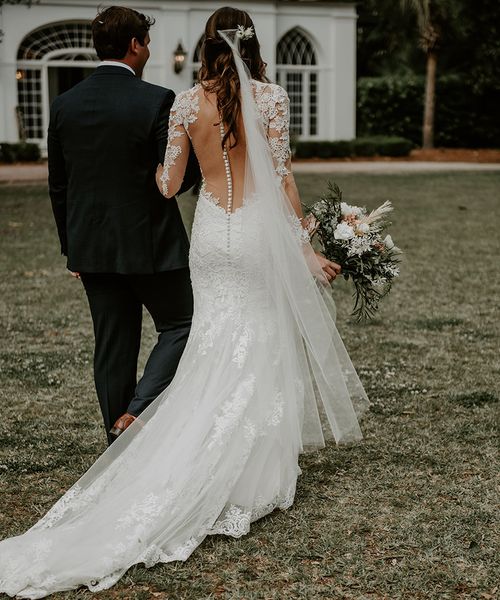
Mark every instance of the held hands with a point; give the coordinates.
(331, 269)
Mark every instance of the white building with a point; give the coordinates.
(310, 48)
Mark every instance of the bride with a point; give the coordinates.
(264, 375)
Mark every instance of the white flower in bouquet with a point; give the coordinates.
(347, 209)
(362, 228)
(358, 246)
(388, 243)
(343, 231)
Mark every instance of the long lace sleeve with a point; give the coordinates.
(278, 134)
(278, 130)
(178, 145)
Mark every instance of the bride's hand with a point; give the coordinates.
(330, 268)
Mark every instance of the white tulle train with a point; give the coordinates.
(217, 450)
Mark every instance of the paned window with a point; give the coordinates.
(59, 36)
(196, 63)
(50, 60)
(297, 72)
(29, 91)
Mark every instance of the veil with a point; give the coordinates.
(333, 395)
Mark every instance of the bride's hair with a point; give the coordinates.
(218, 72)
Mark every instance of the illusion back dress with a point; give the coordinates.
(256, 384)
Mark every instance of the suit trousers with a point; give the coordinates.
(116, 303)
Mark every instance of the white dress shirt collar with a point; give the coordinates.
(115, 63)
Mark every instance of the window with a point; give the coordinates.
(59, 36)
(297, 72)
(295, 49)
(50, 60)
(196, 64)
(29, 91)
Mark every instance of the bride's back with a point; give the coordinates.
(206, 137)
(195, 119)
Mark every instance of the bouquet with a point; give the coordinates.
(352, 237)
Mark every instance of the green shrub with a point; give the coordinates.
(305, 149)
(340, 149)
(394, 146)
(366, 146)
(7, 153)
(382, 145)
(370, 146)
(20, 152)
(393, 106)
(28, 152)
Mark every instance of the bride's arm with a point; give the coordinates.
(279, 141)
(170, 175)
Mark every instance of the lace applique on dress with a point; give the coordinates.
(300, 233)
(232, 411)
(235, 520)
(210, 196)
(184, 111)
(273, 103)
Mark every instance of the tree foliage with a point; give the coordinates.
(389, 44)
(464, 40)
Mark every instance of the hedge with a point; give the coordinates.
(367, 146)
(394, 106)
(20, 152)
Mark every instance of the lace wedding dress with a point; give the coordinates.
(263, 377)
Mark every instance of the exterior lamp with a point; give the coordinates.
(179, 58)
(19, 74)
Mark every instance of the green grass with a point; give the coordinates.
(408, 513)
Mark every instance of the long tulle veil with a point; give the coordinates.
(333, 395)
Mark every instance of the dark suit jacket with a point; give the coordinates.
(106, 137)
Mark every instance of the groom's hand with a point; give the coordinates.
(75, 274)
(331, 269)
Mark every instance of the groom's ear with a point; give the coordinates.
(133, 46)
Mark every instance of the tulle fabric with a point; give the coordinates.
(334, 397)
(217, 450)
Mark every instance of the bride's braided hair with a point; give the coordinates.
(218, 72)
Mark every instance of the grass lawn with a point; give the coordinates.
(408, 513)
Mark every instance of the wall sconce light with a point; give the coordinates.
(19, 74)
(179, 58)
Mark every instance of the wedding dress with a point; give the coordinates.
(264, 375)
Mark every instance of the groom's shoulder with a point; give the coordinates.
(152, 90)
(73, 94)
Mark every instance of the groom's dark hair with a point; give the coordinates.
(115, 27)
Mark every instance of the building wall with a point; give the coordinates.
(330, 28)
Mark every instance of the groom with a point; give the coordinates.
(122, 238)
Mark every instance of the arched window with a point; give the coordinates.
(59, 36)
(50, 60)
(196, 62)
(297, 72)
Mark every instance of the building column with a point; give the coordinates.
(344, 76)
(8, 102)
